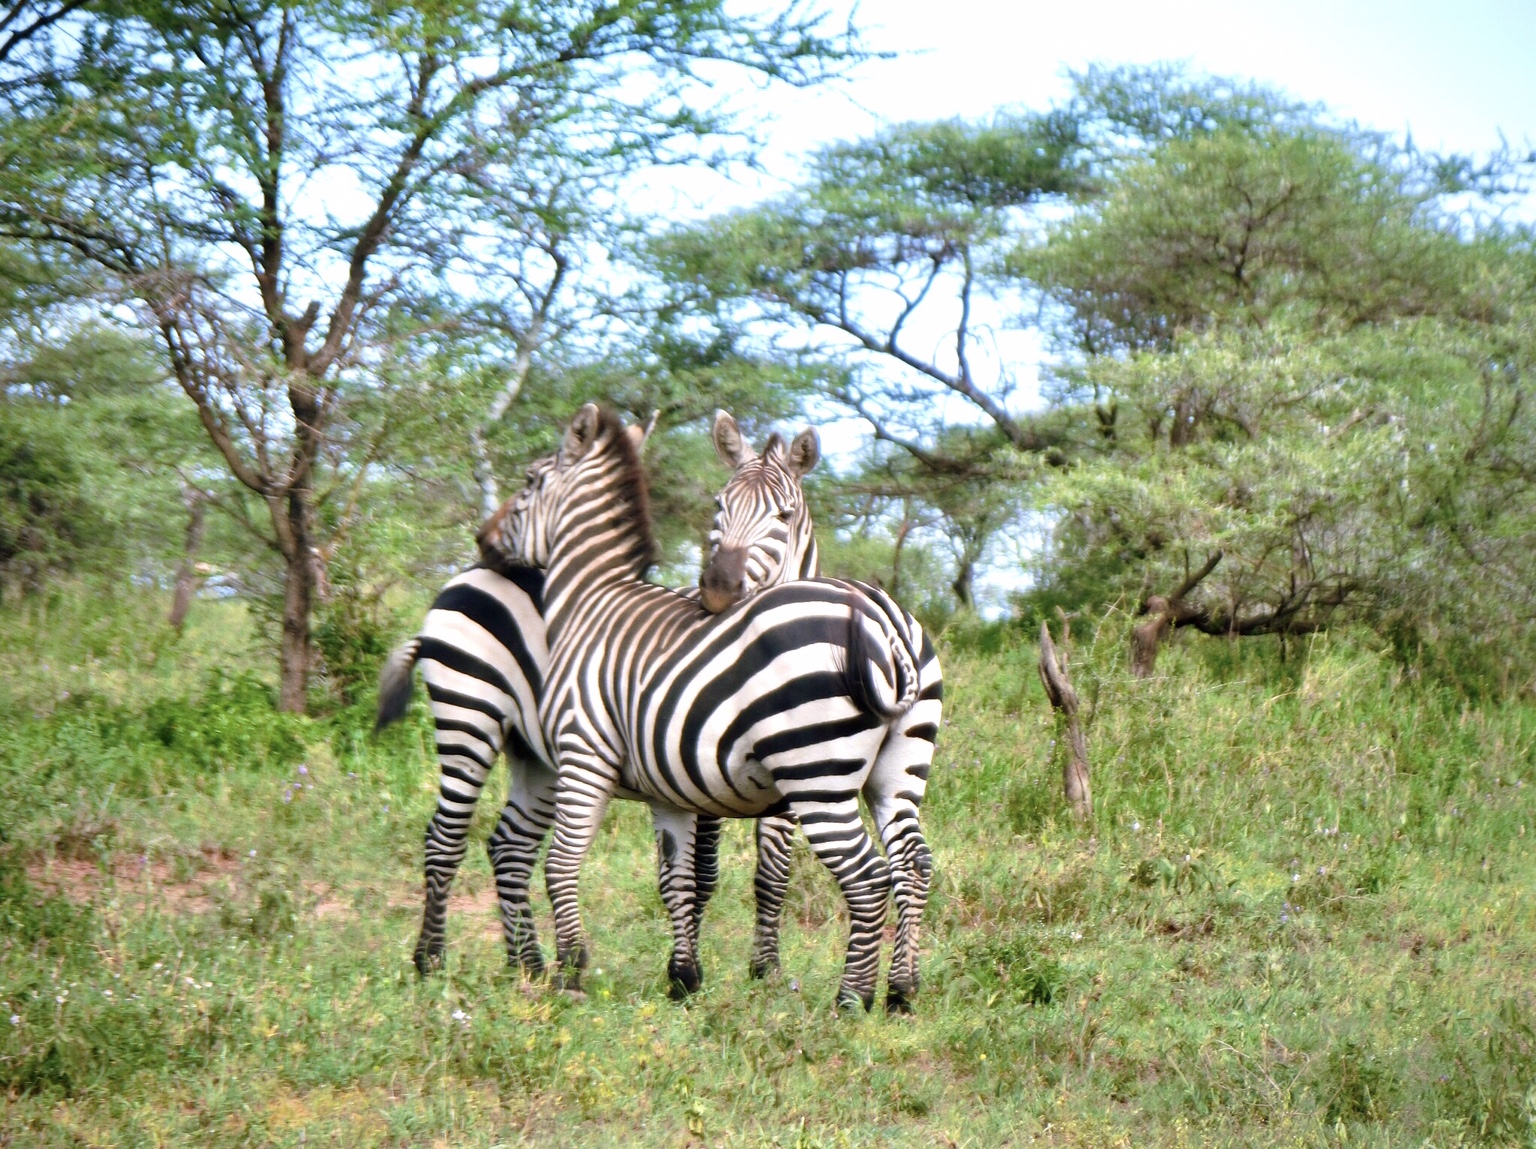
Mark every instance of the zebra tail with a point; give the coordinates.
(873, 690)
(395, 683)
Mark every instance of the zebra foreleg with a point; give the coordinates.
(837, 836)
(775, 840)
(461, 778)
(514, 850)
(678, 859)
(586, 785)
(706, 868)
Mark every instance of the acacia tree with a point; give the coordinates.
(885, 265)
(275, 185)
(1290, 324)
(893, 240)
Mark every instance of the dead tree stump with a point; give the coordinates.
(1058, 688)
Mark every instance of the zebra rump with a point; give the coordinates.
(883, 674)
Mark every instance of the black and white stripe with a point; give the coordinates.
(483, 654)
(783, 704)
(763, 518)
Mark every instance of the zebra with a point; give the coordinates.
(483, 653)
(780, 705)
(765, 505)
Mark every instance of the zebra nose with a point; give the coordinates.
(724, 580)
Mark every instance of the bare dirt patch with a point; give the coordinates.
(183, 884)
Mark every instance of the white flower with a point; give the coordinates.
(1136, 826)
(460, 1015)
(15, 1019)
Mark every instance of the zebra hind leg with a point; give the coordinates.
(894, 791)
(679, 862)
(911, 872)
(461, 777)
(775, 840)
(837, 836)
(514, 850)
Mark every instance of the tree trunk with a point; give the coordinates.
(479, 447)
(1058, 688)
(295, 655)
(1164, 614)
(1147, 636)
(186, 574)
(962, 586)
(901, 540)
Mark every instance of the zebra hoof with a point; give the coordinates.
(897, 1002)
(567, 974)
(763, 967)
(684, 979)
(428, 962)
(851, 1004)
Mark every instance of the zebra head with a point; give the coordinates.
(598, 454)
(762, 533)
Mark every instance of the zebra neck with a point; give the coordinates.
(598, 545)
(810, 562)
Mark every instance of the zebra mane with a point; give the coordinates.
(633, 489)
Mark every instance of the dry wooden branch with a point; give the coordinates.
(1058, 688)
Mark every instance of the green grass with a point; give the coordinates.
(1301, 915)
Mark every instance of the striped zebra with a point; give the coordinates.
(782, 704)
(767, 518)
(483, 653)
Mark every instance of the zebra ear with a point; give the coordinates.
(581, 434)
(804, 453)
(729, 445)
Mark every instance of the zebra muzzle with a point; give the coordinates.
(724, 581)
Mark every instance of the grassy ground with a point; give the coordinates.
(1302, 915)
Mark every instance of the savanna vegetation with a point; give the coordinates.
(289, 293)
(1300, 915)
